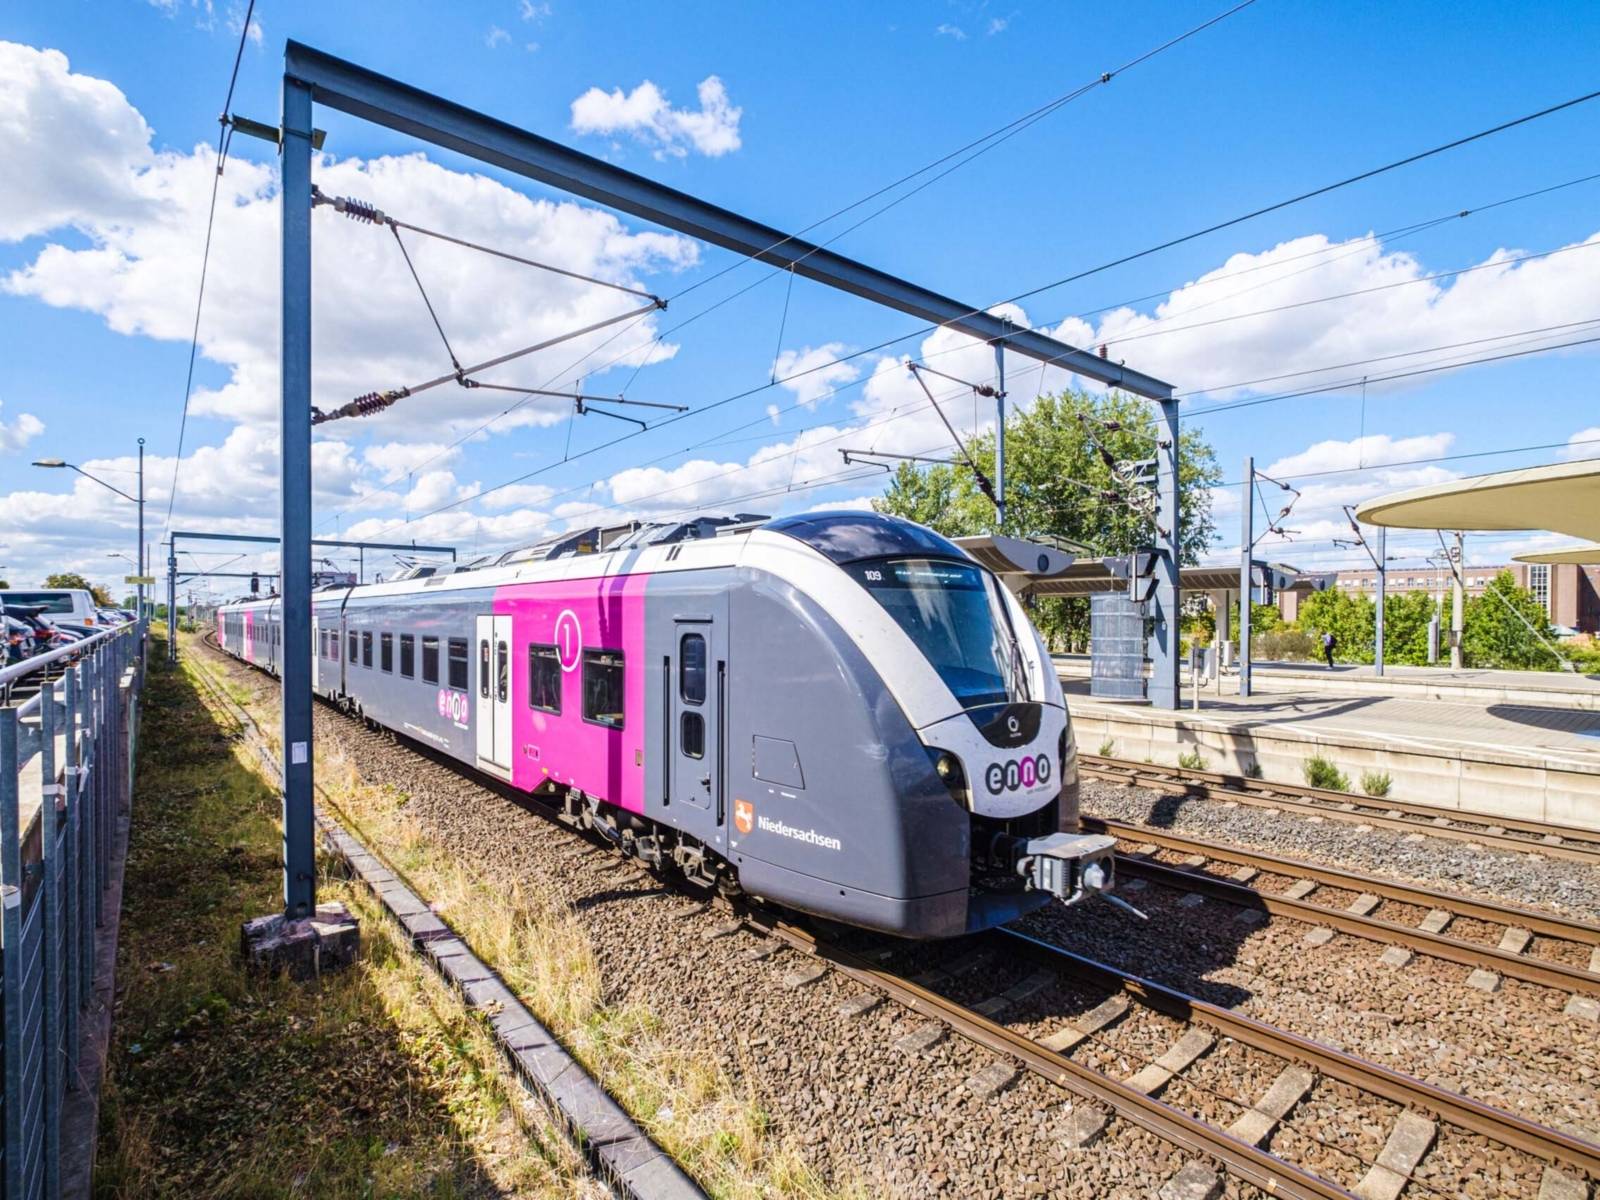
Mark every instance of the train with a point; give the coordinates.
(839, 712)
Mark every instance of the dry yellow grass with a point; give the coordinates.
(531, 935)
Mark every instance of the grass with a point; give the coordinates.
(1253, 771)
(1192, 760)
(716, 1130)
(1322, 773)
(1376, 783)
(371, 1082)
(1108, 749)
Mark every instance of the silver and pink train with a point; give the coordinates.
(840, 712)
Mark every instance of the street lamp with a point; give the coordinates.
(58, 464)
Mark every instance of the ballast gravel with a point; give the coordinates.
(1563, 885)
(903, 1124)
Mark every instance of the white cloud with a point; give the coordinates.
(997, 25)
(14, 435)
(645, 113)
(496, 37)
(1583, 444)
(1213, 334)
(1374, 450)
(955, 32)
(137, 218)
(529, 10)
(818, 369)
(143, 215)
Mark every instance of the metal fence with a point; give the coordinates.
(66, 773)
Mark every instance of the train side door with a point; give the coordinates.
(494, 693)
(316, 653)
(697, 687)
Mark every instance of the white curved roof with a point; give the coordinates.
(1583, 556)
(1563, 497)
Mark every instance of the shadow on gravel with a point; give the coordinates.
(612, 896)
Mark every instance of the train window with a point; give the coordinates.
(483, 667)
(458, 663)
(366, 650)
(544, 679)
(502, 672)
(351, 656)
(430, 660)
(602, 687)
(692, 735)
(692, 669)
(408, 655)
(386, 652)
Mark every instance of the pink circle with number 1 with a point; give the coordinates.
(569, 640)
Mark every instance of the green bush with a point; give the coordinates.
(1321, 773)
(1376, 783)
(1108, 749)
(1285, 645)
(1191, 760)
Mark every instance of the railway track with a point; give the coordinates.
(1031, 968)
(1503, 833)
(1143, 1096)
(1521, 929)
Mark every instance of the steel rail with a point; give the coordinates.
(1266, 1170)
(1467, 954)
(1274, 1175)
(1346, 806)
(1546, 924)
(1501, 1126)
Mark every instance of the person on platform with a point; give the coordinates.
(1328, 643)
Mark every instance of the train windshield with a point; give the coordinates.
(954, 613)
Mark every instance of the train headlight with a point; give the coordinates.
(948, 768)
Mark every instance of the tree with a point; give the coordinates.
(1350, 617)
(1055, 485)
(71, 579)
(1504, 626)
(4, 584)
(1406, 616)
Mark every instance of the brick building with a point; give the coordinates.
(1570, 593)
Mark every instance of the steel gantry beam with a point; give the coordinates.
(312, 77)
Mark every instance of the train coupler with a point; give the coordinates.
(1070, 866)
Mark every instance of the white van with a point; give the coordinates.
(62, 606)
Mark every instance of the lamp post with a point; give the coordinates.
(62, 464)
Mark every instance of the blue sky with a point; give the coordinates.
(785, 113)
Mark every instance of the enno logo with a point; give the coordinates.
(1017, 773)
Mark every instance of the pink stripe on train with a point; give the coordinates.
(578, 615)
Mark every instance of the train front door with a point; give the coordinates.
(697, 687)
(494, 694)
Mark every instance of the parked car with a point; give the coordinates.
(19, 640)
(113, 616)
(46, 636)
(73, 606)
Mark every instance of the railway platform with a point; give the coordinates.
(1472, 750)
(1558, 689)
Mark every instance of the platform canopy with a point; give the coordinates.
(1563, 497)
(1087, 576)
(1583, 556)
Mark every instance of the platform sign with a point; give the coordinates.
(137, 580)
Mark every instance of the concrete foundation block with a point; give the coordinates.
(1484, 981)
(1558, 1185)
(302, 948)
(1396, 956)
(1300, 889)
(1320, 936)
(1195, 1181)
(1585, 1008)
(1083, 1128)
